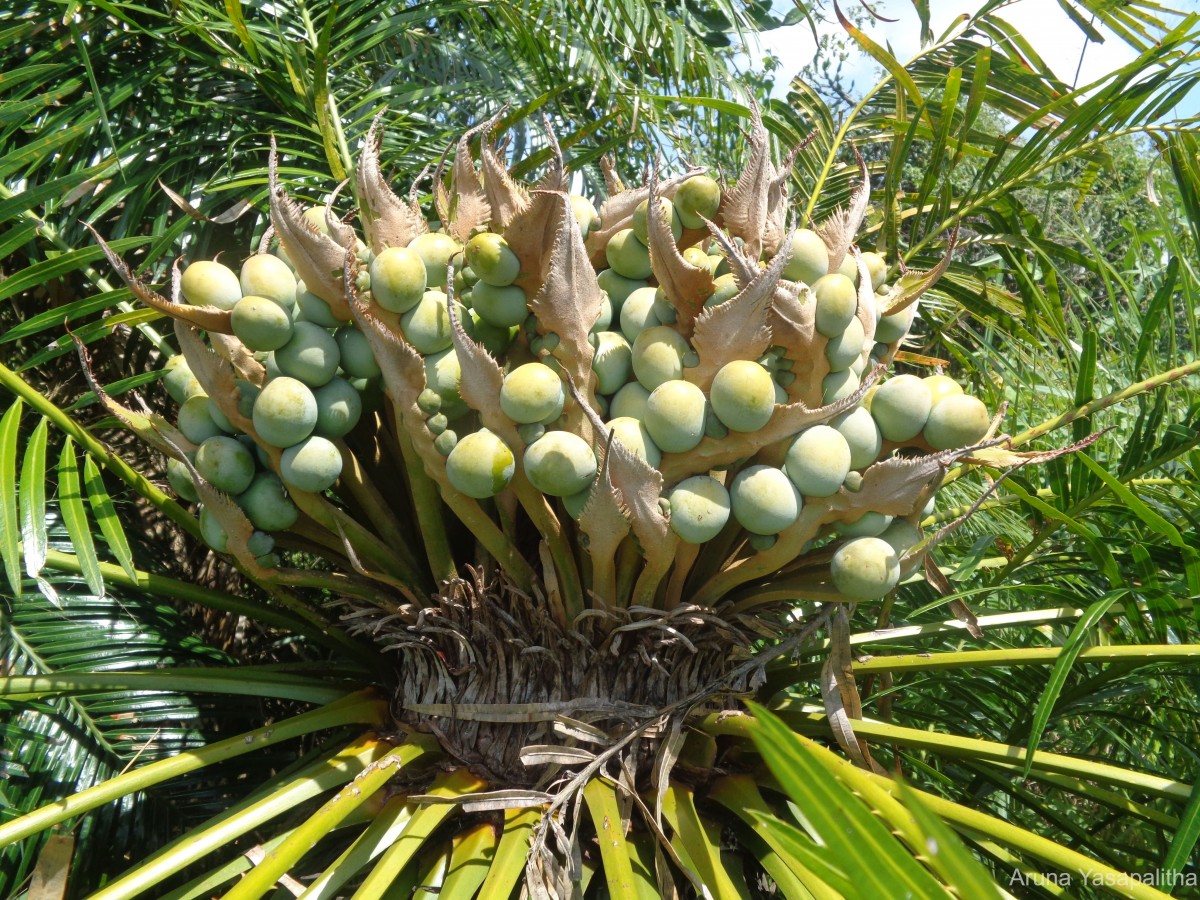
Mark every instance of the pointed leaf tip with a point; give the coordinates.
(386, 219)
(316, 257)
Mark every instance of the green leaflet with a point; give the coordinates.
(699, 845)
(470, 862)
(879, 865)
(70, 504)
(1186, 835)
(385, 827)
(324, 820)
(1062, 667)
(52, 319)
(1135, 503)
(233, 9)
(33, 500)
(106, 516)
(508, 862)
(601, 798)
(415, 834)
(10, 551)
(351, 709)
(60, 264)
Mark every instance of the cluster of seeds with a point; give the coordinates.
(678, 343)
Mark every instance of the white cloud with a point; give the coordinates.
(1055, 37)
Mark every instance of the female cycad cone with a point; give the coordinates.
(657, 405)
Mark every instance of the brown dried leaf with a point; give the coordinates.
(546, 878)
(775, 226)
(640, 485)
(215, 375)
(912, 284)
(231, 518)
(555, 178)
(994, 456)
(918, 359)
(840, 692)
(568, 300)
(665, 760)
(505, 197)
(149, 426)
(386, 220)
(686, 286)
(402, 367)
(744, 268)
(794, 327)
(867, 314)
(529, 235)
(442, 203)
(898, 485)
(481, 382)
(318, 260)
(612, 181)
(839, 230)
(1005, 457)
(745, 206)
(240, 208)
(1001, 457)
(616, 213)
(414, 194)
(841, 698)
(605, 520)
(55, 859)
(210, 318)
(469, 207)
(737, 329)
(940, 583)
(227, 513)
(342, 234)
(242, 360)
(963, 613)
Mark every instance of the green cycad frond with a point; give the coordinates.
(83, 499)
(58, 744)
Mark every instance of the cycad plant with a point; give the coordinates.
(535, 559)
(641, 506)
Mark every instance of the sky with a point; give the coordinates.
(1053, 35)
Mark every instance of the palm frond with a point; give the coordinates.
(58, 745)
